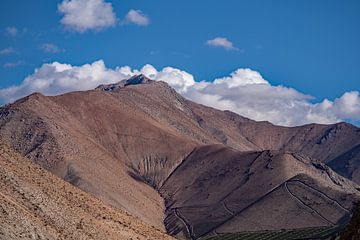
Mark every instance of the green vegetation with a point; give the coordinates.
(292, 234)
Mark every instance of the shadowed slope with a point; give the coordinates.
(323, 143)
(351, 232)
(219, 190)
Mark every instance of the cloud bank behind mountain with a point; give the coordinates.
(244, 91)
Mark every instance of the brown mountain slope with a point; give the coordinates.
(323, 143)
(348, 164)
(129, 143)
(249, 191)
(35, 204)
(94, 147)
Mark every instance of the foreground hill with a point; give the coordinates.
(185, 168)
(35, 204)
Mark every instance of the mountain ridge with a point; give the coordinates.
(129, 147)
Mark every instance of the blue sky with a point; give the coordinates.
(312, 46)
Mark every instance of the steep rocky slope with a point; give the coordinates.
(184, 167)
(35, 204)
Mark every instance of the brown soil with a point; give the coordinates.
(35, 204)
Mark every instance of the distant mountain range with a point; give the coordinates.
(184, 168)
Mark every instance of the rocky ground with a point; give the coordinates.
(35, 204)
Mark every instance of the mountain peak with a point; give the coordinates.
(134, 80)
(138, 79)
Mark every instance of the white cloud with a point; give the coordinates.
(84, 15)
(241, 77)
(179, 80)
(347, 106)
(50, 48)
(7, 51)
(136, 17)
(56, 78)
(149, 71)
(221, 42)
(11, 31)
(245, 92)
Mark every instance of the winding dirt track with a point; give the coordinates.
(323, 194)
(305, 205)
(285, 185)
(182, 219)
(240, 211)
(227, 209)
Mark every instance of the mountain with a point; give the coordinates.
(186, 168)
(35, 204)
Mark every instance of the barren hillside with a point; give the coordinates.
(35, 204)
(185, 168)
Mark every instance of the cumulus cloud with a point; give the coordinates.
(347, 106)
(241, 77)
(244, 91)
(136, 17)
(247, 93)
(7, 51)
(50, 48)
(11, 31)
(56, 78)
(84, 15)
(221, 42)
(179, 80)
